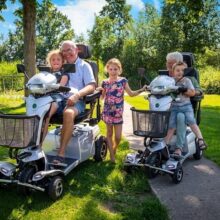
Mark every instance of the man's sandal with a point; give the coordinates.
(202, 144)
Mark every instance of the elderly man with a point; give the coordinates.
(172, 58)
(83, 82)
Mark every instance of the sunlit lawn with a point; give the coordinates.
(210, 122)
(93, 191)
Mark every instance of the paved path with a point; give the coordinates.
(197, 197)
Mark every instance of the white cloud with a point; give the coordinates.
(137, 4)
(81, 13)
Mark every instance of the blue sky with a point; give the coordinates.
(80, 12)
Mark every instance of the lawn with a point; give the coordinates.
(93, 191)
(210, 122)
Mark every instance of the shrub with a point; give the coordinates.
(9, 78)
(210, 80)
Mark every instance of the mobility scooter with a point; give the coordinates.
(33, 168)
(153, 125)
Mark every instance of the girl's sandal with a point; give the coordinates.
(202, 144)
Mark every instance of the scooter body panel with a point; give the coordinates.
(81, 145)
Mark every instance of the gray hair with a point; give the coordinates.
(69, 42)
(177, 56)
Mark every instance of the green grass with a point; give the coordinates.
(210, 122)
(93, 191)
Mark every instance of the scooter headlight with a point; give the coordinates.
(36, 88)
(4, 171)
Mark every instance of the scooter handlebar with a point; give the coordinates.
(64, 89)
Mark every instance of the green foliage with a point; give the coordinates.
(210, 80)
(52, 28)
(189, 25)
(9, 78)
(110, 30)
(140, 49)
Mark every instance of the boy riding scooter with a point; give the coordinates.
(182, 104)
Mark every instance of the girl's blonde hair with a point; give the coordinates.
(114, 61)
(52, 53)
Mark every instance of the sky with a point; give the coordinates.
(80, 12)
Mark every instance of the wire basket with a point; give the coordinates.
(18, 131)
(153, 124)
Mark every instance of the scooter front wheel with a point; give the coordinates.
(153, 160)
(25, 176)
(55, 189)
(178, 174)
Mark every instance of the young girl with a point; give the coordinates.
(183, 105)
(113, 94)
(55, 61)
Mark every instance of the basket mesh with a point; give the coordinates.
(18, 131)
(150, 123)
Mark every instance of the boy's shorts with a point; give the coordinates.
(187, 110)
(80, 106)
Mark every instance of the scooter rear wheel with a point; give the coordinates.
(101, 148)
(198, 154)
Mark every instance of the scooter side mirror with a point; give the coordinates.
(20, 68)
(69, 68)
(44, 69)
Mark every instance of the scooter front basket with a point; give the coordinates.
(18, 131)
(153, 124)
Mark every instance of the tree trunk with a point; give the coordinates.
(29, 20)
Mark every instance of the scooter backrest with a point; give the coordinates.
(84, 52)
(189, 59)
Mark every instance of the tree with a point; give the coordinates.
(110, 29)
(51, 29)
(189, 25)
(29, 19)
(140, 48)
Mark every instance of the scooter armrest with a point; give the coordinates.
(91, 97)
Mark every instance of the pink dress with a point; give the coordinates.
(114, 101)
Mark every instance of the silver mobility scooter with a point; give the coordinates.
(153, 124)
(33, 168)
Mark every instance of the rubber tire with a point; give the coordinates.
(101, 148)
(25, 176)
(128, 169)
(152, 160)
(178, 174)
(198, 154)
(55, 188)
